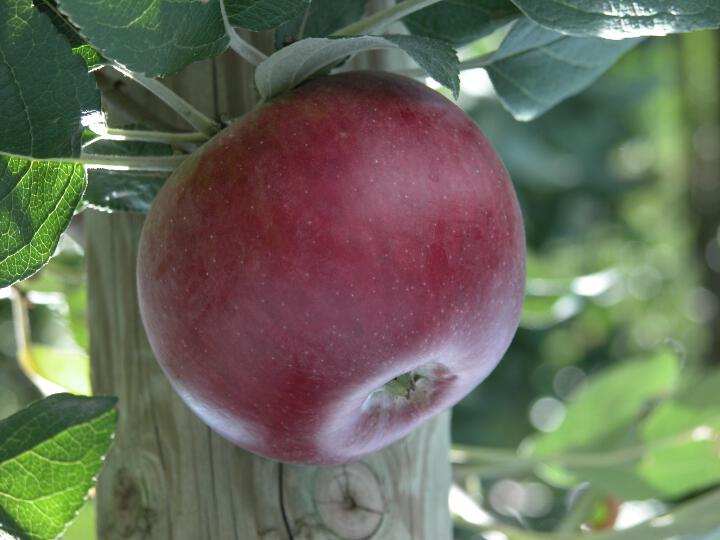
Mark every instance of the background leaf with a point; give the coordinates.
(622, 393)
(290, 66)
(50, 454)
(617, 20)
(66, 367)
(37, 201)
(647, 443)
(259, 15)
(683, 434)
(461, 21)
(695, 404)
(44, 88)
(124, 191)
(151, 37)
(536, 68)
(323, 18)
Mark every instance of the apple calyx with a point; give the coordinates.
(403, 385)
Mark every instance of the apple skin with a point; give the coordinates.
(358, 228)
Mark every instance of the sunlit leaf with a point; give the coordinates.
(37, 201)
(618, 19)
(50, 454)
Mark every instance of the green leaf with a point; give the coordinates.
(45, 89)
(323, 18)
(123, 191)
(50, 454)
(535, 69)
(675, 470)
(290, 66)
(37, 201)
(695, 404)
(436, 57)
(90, 55)
(610, 403)
(668, 452)
(683, 436)
(618, 20)
(259, 15)
(461, 21)
(50, 9)
(154, 37)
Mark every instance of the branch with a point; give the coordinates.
(194, 117)
(115, 134)
(128, 163)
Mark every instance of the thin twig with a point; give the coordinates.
(115, 134)
(131, 163)
(194, 117)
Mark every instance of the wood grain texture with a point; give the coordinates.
(168, 477)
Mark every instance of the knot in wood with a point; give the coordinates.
(349, 500)
(131, 515)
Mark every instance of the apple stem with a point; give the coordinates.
(194, 117)
(381, 19)
(238, 44)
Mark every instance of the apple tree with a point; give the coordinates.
(294, 186)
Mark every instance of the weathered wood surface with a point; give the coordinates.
(168, 477)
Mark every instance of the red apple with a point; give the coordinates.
(333, 269)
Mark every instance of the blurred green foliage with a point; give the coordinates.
(614, 272)
(612, 268)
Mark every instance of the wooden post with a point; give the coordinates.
(168, 477)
